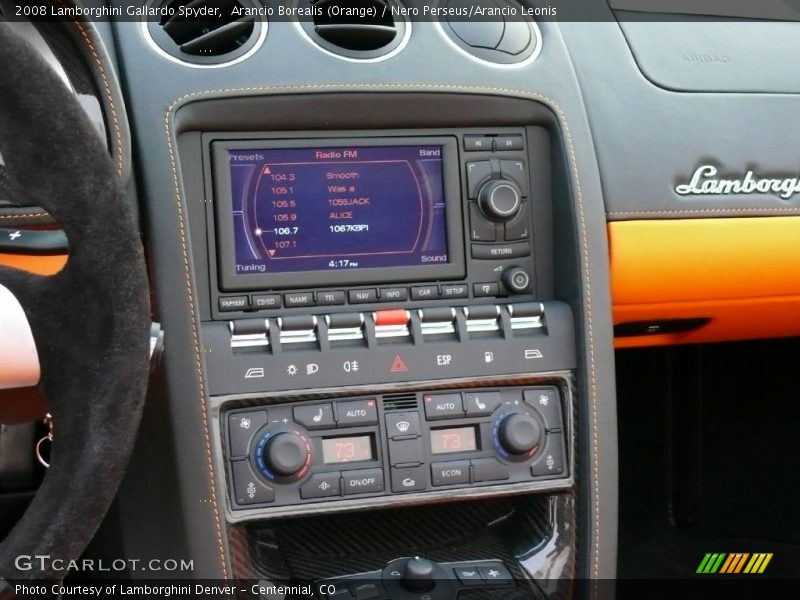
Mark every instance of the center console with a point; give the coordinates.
(382, 336)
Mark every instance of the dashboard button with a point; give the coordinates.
(546, 400)
(477, 143)
(394, 294)
(477, 173)
(520, 227)
(241, 427)
(481, 403)
(468, 575)
(449, 473)
(246, 486)
(402, 424)
(405, 452)
(456, 290)
(330, 298)
(266, 301)
(507, 143)
(367, 590)
(551, 461)
(498, 251)
(425, 292)
(298, 299)
(409, 479)
(517, 171)
(443, 406)
(481, 229)
(484, 290)
(489, 469)
(234, 303)
(356, 412)
(321, 485)
(365, 481)
(362, 296)
(496, 574)
(316, 416)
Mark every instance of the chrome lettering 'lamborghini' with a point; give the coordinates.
(705, 182)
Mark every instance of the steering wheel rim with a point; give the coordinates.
(90, 321)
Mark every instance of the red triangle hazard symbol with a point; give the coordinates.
(271, 252)
(398, 365)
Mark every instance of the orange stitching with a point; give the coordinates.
(584, 244)
(196, 343)
(700, 211)
(107, 89)
(25, 216)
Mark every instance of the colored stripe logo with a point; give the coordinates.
(734, 563)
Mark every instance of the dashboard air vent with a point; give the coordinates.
(207, 32)
(359, 29)
(399, 402)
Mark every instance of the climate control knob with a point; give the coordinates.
(519, 433)
(285, 454)
(499, 199)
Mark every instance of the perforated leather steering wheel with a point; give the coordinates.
(90, 321)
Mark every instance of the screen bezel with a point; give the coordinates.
(230, 281)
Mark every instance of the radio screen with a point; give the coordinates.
(461, 439)
(337, 208)
(346, 449)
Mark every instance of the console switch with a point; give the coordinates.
(485, 318)
(295, 330)
(391, 323)
(527, 315)
(344, 327)
(437, 321)
(249, 333)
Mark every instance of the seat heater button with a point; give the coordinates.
(366, 481)
(247, 487)
(241, 427)
(489, 469)
(479, 404)
(443, 406)
(321, 485)
(449, 473)
(356, 412)
(316, 416)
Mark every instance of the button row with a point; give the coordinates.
(347, 483)
(498, 143)
(349, 413)
(342, 327)
(453, 406)
(338, 298)
(466, 471)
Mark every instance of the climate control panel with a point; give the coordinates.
(410, 444)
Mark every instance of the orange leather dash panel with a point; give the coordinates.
(744, 274)
(43, 265)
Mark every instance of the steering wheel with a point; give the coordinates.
(90, 321)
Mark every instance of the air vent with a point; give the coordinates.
(357, 29)
(393, 402)
(208, 32)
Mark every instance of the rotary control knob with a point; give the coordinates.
(499, 199)
(418, 575)
(519, 433)
(517, 280)
(285, 454)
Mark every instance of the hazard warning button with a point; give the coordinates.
(398, 365)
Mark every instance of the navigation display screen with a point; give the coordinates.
(337, 208)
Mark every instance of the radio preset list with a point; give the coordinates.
(330, 451)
